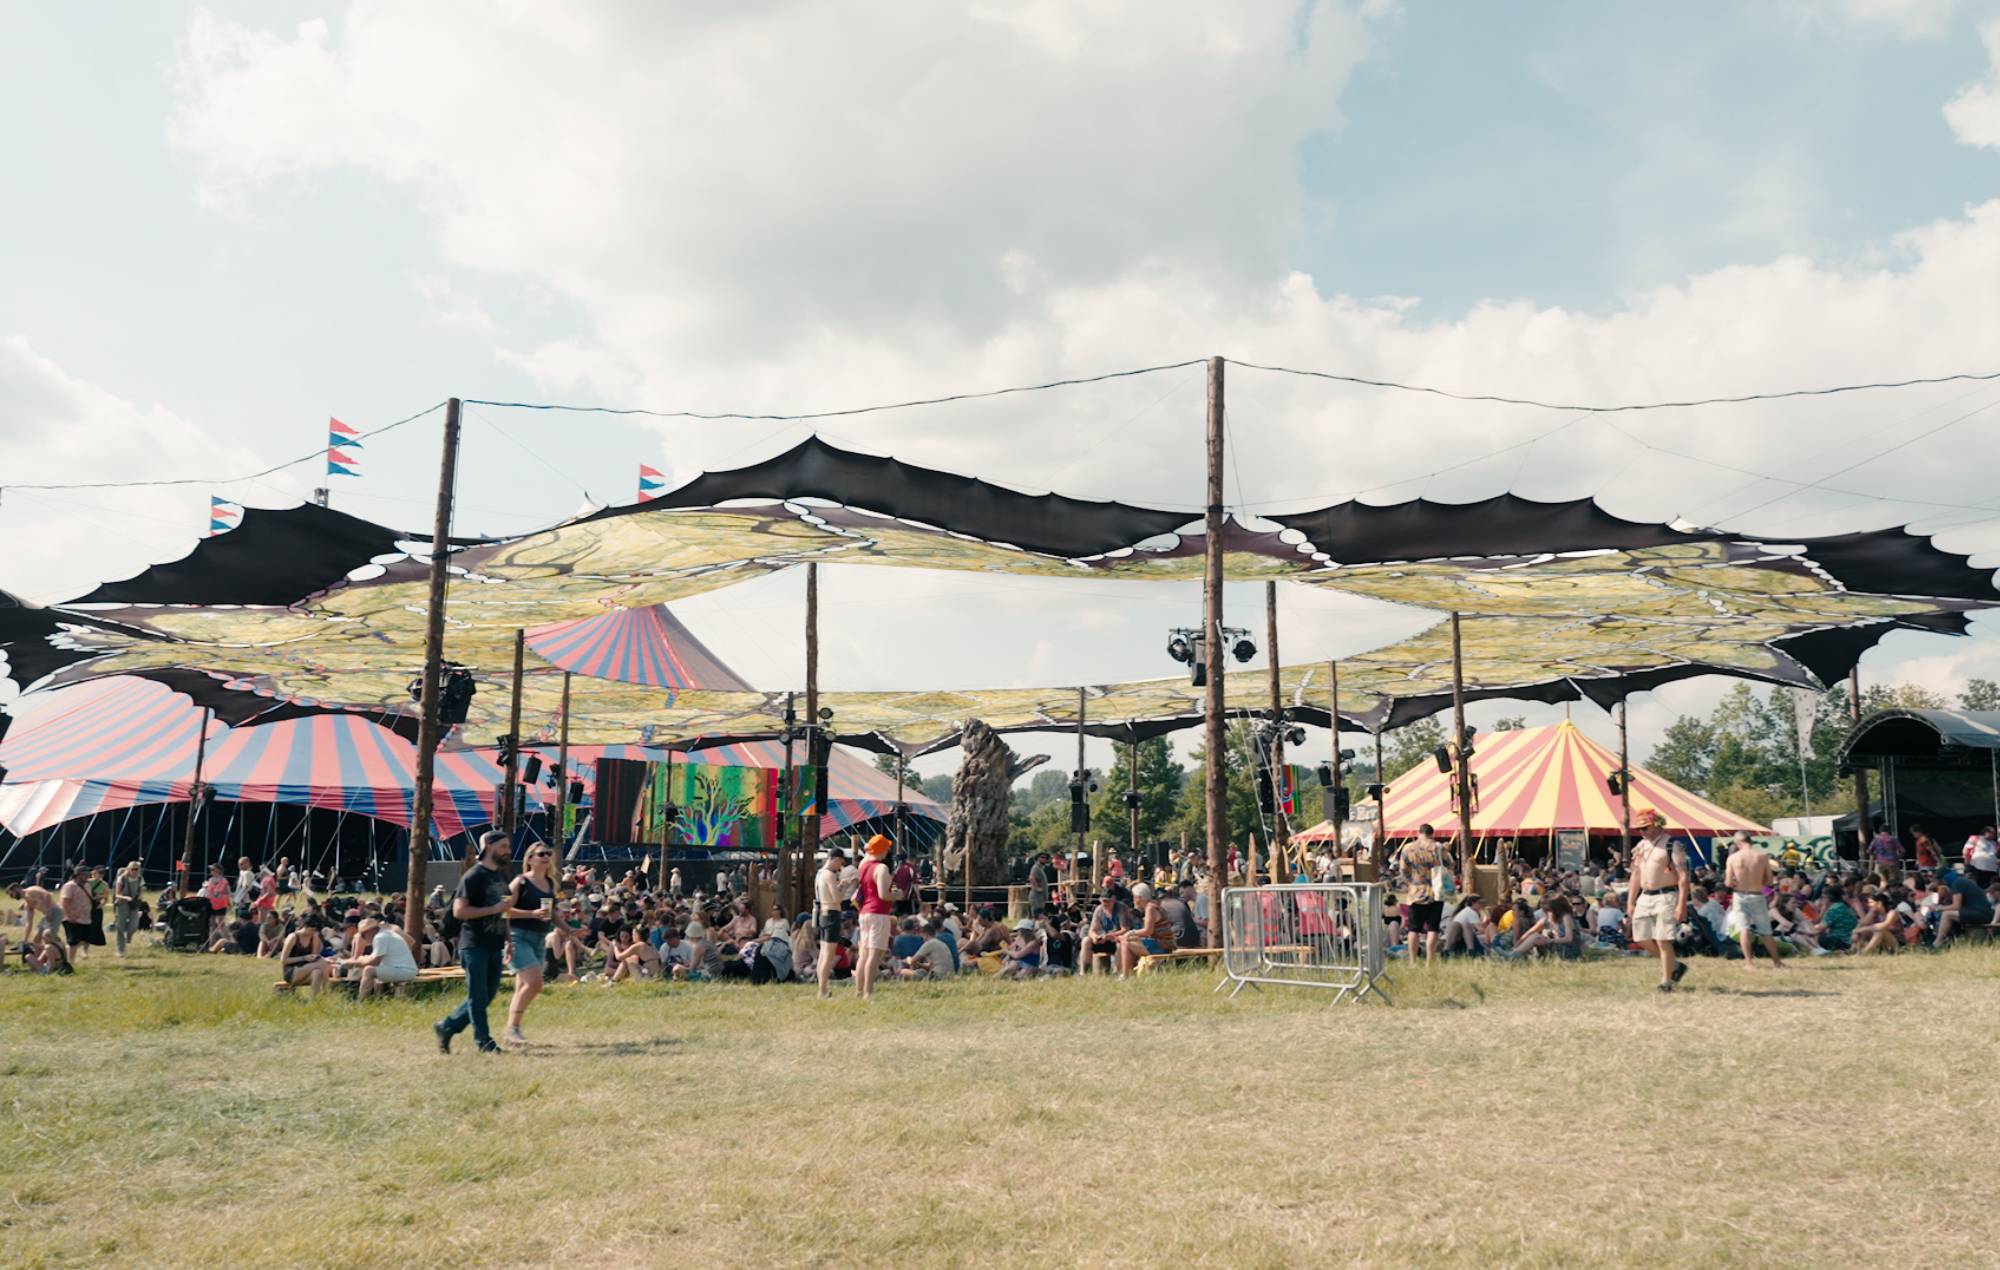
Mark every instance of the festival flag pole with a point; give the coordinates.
(1461, 759)
(1861, 825)
(1338, 818)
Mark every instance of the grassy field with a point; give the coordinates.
(170, 1110)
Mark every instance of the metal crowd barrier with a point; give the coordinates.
(1308, 935)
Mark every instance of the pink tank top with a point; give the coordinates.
(872, 899)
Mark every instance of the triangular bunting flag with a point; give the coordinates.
(340, 439)
(222, 515)
(652, 483)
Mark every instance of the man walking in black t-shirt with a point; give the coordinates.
(481, 905)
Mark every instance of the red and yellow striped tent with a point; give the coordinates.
(1535, 781)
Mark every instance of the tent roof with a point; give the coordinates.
(1535, 781)
(121, 742)
(1901, 733)
(1558, 599)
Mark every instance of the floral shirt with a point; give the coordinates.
(1419, 858)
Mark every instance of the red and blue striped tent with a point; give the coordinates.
(856, 790)
(636, 646)
(120, 742)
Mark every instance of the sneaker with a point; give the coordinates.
(1680, 970)
(514, 1037)
(1666, 987)
(491, 1048)
(444, 1038)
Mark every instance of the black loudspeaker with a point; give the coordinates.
(1326, 776)
(576, 793)
(1264, 803)
(532, 771)
(1079, 817)
(1443, 759)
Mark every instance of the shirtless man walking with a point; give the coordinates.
(1748, 874)
(1657, 897)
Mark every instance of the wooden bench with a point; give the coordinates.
(1151, 960)
(430, 977)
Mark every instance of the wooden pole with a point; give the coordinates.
(1083, 782)
(1624, 787)
(1281, 830)
(194, 807)
(809, 833)
(1461, 763)
(562, 777)
(1862, 829)
(1132, 792)
(509, 809)
(427, 700)
(788, 831)
(1215, 776)
(1333, 721)
(1381, 798)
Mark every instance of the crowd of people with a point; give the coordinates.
(872, 923)
(1666, 905)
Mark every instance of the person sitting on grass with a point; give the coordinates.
(988, 936)
(773, 960)
(382, 958)
(1608, 921)
(805, 947)
(1024, 952)
(931, 960)
(632, 957)
(742, 925)
(568, 947)
(270, 935)
(1153, 936)
(1838, 922)
(1469, 932)
(1107, 923)
(47, 956)
(1794, 925)
(1555, 930)
(1881, 926)
(676, 954)
(302, 957)
(907, 939)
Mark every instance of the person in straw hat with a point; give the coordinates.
(388, 959)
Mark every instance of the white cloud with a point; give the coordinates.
(1904, 19)
(55, 429)
(795, 206)
(450, 308)
(1974, 114)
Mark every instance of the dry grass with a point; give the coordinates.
(168, 1110)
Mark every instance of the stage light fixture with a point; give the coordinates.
(1179, 649)
(1244, 649)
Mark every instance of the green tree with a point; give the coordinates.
(1239, 801)
(938, 788)
(1045, 786)
(1412, 744)
(1980, 694)
(1512, 723)
(1160, 780)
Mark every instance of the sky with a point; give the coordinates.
(224, 223)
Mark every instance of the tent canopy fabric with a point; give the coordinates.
(1557, 598)
(1533, 782)
(645, 645)
(116, 743)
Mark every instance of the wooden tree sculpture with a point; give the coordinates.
(978, 822)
